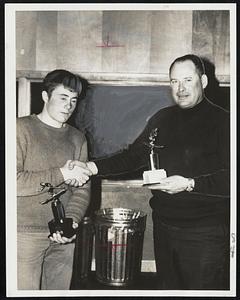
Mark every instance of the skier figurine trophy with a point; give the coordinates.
(154, 175)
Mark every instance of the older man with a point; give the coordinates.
(191, 205)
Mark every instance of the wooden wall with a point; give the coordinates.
(147, 41)
(211, 38)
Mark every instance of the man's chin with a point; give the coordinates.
(62, 120)
(184, 104)
(65, 117)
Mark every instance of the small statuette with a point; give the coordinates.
(154, 175)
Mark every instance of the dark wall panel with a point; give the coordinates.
(113, 116)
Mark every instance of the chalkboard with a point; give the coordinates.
(113, 116)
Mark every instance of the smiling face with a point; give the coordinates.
(59, 106)
(186, 84)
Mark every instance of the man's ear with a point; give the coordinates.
(204, 80)
(45, 96)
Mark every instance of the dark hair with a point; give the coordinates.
(69, 80)
(195, 59)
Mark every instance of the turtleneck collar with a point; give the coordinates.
(191, 111)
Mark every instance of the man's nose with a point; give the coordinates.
(68, 104)
(181, 86)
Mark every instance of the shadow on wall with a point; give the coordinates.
(213, 91)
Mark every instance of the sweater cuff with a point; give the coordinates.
(92, 167)
(191, 185)
(58, 176)
(197, 184)
(75, 219)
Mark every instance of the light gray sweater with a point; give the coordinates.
(41, 151)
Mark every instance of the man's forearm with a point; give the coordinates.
(124, 162)
(216, 184)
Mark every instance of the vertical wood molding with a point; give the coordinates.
(46, 40)
(171, 37)
(131, 31)
(26, 34)
(211, 38)
(78, 33)
(24, 97)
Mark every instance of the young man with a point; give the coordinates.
(45, 143)
(190, 206)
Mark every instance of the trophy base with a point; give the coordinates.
(65, 228)
(153, 176)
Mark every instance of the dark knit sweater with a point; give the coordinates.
(41, 151)
(196, 145)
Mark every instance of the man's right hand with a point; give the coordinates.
(76, 176)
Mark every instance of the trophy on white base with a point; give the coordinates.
(154, 175)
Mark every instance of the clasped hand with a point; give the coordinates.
(75, 174)
(171, 185)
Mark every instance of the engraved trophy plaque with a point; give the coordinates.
(59, 222)
(154, 175)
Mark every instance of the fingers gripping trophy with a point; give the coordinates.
(154, 175)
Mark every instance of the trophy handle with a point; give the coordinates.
(60, 223)
(154, 161)
(58, 210)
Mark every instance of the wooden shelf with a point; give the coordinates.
(145, 79)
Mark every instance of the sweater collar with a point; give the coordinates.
(201, 106)
(42, 124)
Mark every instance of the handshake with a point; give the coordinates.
(77, 173)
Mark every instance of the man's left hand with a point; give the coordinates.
(171, 185)
(58, 238)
